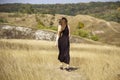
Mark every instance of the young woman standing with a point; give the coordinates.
(63, 43)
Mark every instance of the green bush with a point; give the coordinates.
(3, 20)
(53, 28)
(82, 33)
(80, 25)
(95, 38)
(40, 26)
(86, 34)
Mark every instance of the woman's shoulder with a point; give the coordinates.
(68, 25)
(59, 28)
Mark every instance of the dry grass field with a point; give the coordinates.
(37, 60)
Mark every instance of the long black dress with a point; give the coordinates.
(64, 46)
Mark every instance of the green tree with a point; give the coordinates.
(26, 9)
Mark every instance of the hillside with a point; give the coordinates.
(37, 60)
(107, 32)
(105, 10)
(18, 32)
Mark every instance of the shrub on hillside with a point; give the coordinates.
(80, 25)
(3, 20)
(86, 34)
(53, 28)
(95, 38)
(82, 33)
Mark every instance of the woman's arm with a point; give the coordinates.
(58, 34)
(69, 30)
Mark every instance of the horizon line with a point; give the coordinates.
(55, 3)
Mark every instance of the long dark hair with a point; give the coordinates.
(60, 21)
(63, 18)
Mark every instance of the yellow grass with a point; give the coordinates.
(37, 60)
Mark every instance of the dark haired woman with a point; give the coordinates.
(63, 43)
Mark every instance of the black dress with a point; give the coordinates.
(64, 46)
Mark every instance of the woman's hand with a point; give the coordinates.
(56, 44)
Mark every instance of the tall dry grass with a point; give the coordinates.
(37, 60)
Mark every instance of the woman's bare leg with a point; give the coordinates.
(67, 67)
(61, 65)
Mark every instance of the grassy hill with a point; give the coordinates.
(37, 60)
(105, 10)
(81, 25)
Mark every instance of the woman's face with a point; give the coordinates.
(63, 22)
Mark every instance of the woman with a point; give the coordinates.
(62, 41)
